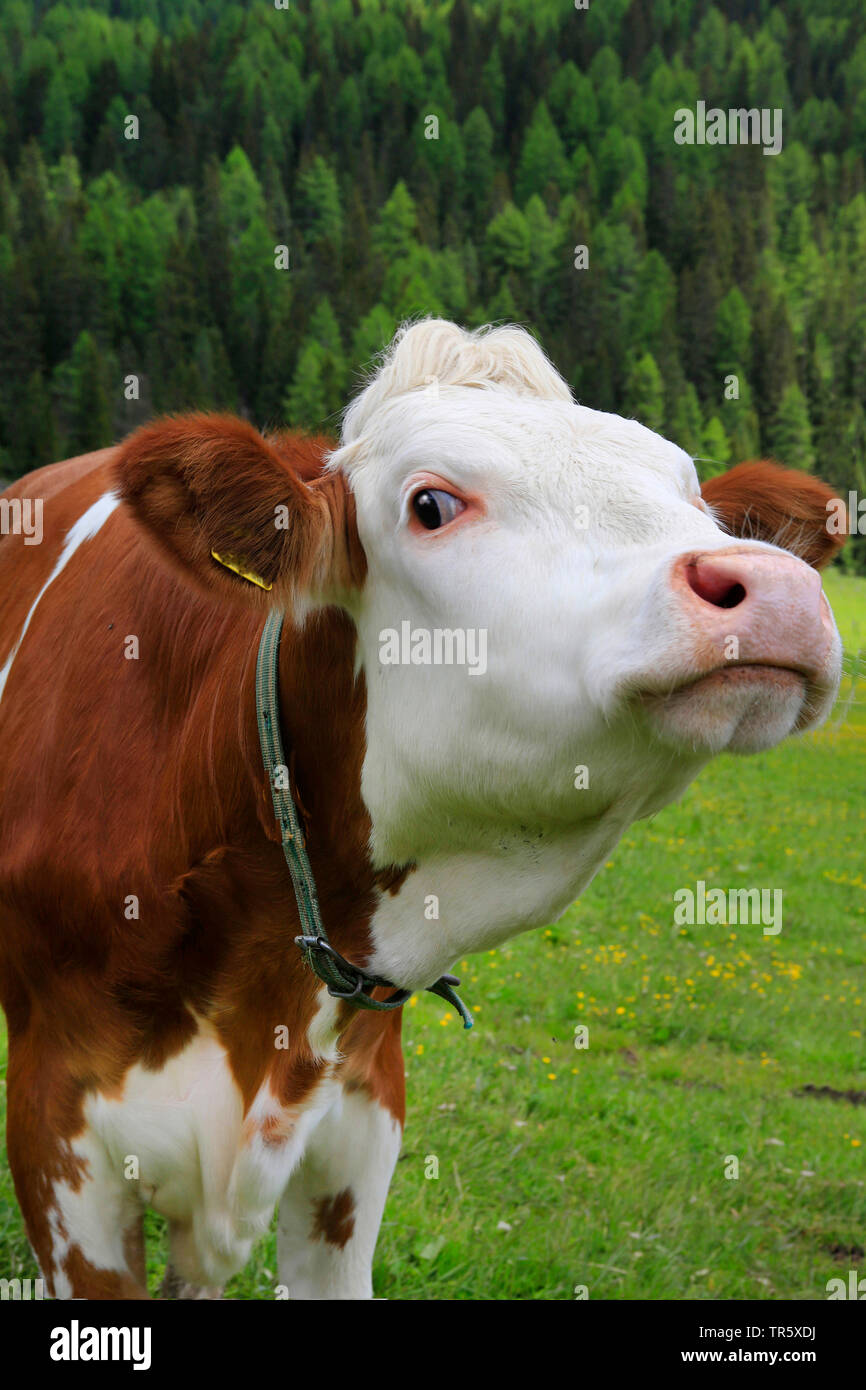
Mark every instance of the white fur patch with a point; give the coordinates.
(352, 1152)
(179, 1141)
(92, 1218)
(84, 529)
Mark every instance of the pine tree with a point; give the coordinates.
(508, 241)
(733, 335)
(687, 424)
(305, 404)
(542, 159)
(791, 436)
(34, 442)
(373, 333)
(479, 166)
(80, 388)
(715, 449)
(319, 208)
(645, 396)
(394, 234)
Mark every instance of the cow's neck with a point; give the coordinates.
(322, 710)
(467, 900)
(410, 921)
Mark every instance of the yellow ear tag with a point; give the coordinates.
(231, 562)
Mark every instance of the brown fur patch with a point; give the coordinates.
(89, 1282)
(334, 1218)
(276, 1130)
(391, 879)
(373, 1059)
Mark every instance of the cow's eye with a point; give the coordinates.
(434, 508)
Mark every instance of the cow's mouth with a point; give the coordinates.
(743, 707)
(741, 672)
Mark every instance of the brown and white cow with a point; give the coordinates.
(147, 963)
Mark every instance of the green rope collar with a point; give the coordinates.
(343, 979)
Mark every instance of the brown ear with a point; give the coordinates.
(199, 484)
(763, 501)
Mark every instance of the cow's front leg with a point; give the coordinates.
(331, 1210)
(83, 1218)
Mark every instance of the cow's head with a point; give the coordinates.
(633, 626)
(599, 610)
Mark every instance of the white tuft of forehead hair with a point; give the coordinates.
(437, 351)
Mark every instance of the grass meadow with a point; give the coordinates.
(605, 1166)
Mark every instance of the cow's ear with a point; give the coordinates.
(228, 508)
(765, 502)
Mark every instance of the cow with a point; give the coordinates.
(169, 1043)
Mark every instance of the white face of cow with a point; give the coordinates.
(603, 621)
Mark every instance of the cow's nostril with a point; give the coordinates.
(732, 598)
(714, 586)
